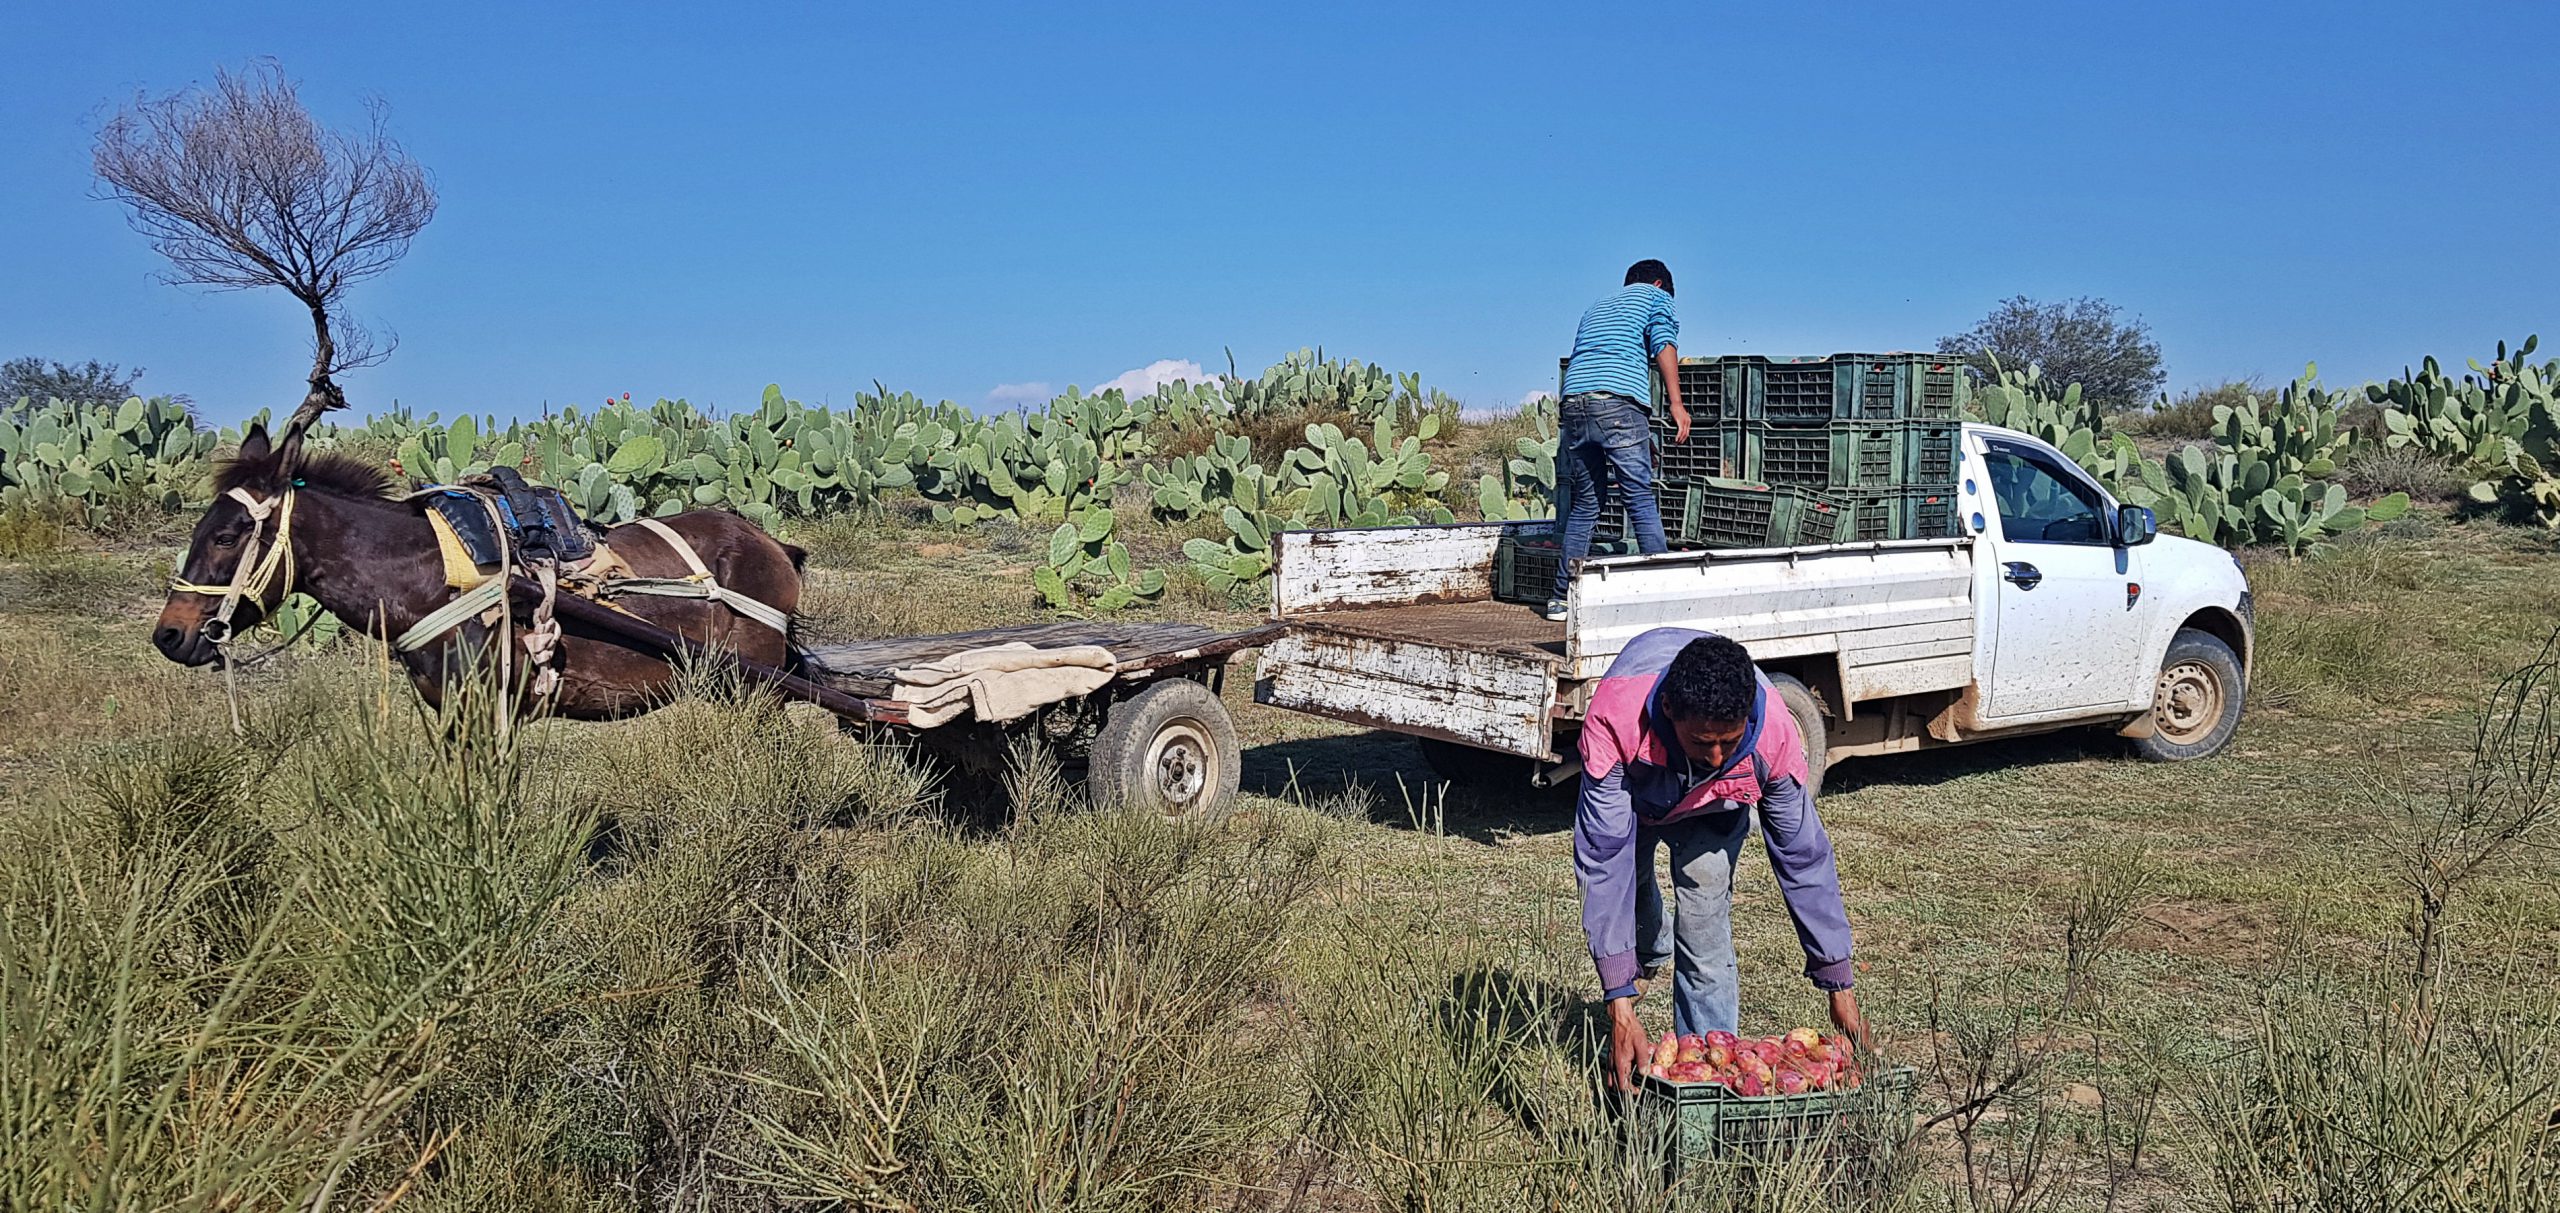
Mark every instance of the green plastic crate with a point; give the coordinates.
(1709, 389)
(1789, 391)
(1704, 1122)
(1899, 387)
(1921, 512)
(1818, 520)
(1525, 571)
(1676, 500)
(1862, 455)
(1850, 387)
(1929, 452)
(1838, 455)
(1712, 389)
(1524, 562)
(1745, 514)
(1713, 452)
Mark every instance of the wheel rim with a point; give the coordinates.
(1181, 765)
(2187, 705)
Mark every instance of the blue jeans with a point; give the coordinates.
(1698, 937)
(1600, 433)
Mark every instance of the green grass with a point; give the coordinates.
(728, 957)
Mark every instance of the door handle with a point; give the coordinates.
(2022, 575)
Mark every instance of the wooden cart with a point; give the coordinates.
(1155, 735)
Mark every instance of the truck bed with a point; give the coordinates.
(1396, 628)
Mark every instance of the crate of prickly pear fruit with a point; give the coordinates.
(1723, 1097)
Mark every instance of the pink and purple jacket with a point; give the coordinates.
(1635, 775)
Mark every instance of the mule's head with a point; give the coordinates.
(222, 539)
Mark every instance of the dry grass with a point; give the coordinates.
(775, 975)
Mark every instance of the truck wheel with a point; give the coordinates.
(1469, 767)
(1169, 749)
(1806, 707)
(2195, 707)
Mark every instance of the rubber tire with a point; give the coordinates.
(2212, 657)
(1469, 767)
(1806, 707)
(1125, 768)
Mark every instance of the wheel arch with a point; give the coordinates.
(2223, 625)
(1820, 674)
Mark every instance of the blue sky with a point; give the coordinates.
(695, 200)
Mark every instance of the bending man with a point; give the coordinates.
(1683, 743)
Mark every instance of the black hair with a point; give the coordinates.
(1650, 270)
(328, 471)
(1711, 679)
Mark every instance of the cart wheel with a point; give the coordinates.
(1169, 748)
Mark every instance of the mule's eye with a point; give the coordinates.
(226, 541)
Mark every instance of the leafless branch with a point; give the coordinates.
(239, 187)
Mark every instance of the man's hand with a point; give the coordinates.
(1626, 1043)
(1679, 423)
(1845, 1016)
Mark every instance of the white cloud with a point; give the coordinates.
(1536, 396)
(1156, 374)
(1019, 393)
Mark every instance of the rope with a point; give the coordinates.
(699, 584)
(443, 619)
(252, 576)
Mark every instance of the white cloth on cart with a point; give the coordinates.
(1000, 682)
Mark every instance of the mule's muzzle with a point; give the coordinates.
(182, 634)
(186, 646)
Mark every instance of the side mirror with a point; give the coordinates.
(2136, 525)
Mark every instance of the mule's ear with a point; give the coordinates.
(253, 445)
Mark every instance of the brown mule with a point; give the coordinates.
(372, 561)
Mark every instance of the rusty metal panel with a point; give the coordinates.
(1496, 700)
(1382, 566)
(1790, 602)
(1871, 682)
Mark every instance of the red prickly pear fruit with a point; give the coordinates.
(1719, 1056)
(1749, 1084)
(1666, 1050)
(1689, 1071)
(1693, 1048)
(1792, 1082)
(626, 395)
(1722, 1039)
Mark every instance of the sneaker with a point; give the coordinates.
(1554, 610)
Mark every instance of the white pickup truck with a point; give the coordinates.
(2055, 608)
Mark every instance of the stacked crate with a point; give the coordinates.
(1786, 452)
(1875, 436)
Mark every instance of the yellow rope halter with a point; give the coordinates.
(257, 571)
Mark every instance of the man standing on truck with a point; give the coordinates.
(1605, 421)
(1684, 741)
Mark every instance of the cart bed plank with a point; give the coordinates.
(864, 666)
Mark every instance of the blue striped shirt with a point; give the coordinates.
(1617, 338)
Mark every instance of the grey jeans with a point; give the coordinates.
(1698, 936)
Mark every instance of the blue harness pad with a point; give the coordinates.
(470, 519)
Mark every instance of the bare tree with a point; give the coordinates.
(240, 188)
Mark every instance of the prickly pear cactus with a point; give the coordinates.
(2500, 425)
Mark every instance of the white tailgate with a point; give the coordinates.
(1899, 614)
(1498, 701)
(1381, 566)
